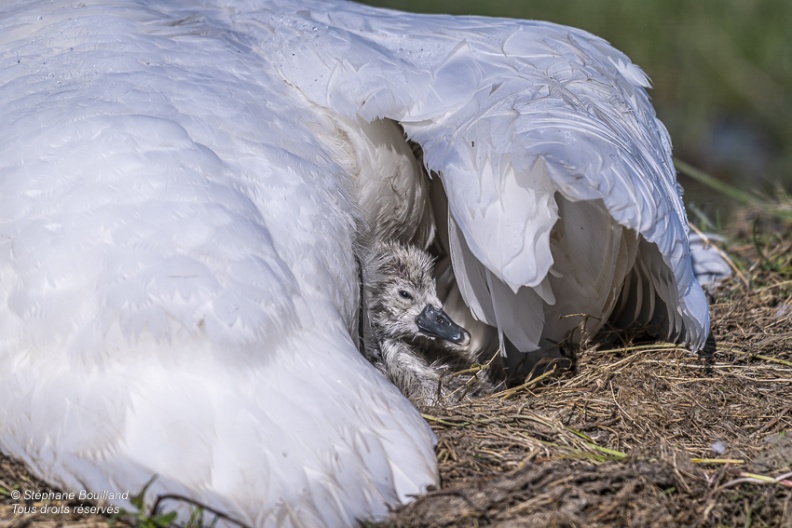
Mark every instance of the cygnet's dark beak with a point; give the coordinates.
(436, 323)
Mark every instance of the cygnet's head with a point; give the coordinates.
(402, 296)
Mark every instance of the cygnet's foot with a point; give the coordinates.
(427, 392)
(468, 386)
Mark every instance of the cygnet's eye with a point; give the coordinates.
(405, 295)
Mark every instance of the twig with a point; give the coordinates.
(759, 356)
(753, 478)
(717, 461)
(219, 514)
(508, 393)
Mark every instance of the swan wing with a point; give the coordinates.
(515, 117)
(178, 282)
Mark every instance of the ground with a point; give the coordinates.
(638, 434)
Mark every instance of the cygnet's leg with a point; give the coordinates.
(410, 372)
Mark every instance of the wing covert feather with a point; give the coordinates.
(491, 101)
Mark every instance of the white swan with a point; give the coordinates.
(179, 190)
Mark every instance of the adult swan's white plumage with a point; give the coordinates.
(179, 191)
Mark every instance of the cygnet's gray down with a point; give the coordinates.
(409, 336)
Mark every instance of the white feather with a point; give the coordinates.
(709, 264)
(178, 280)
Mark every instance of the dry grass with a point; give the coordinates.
(637, 435)
(640, 435)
